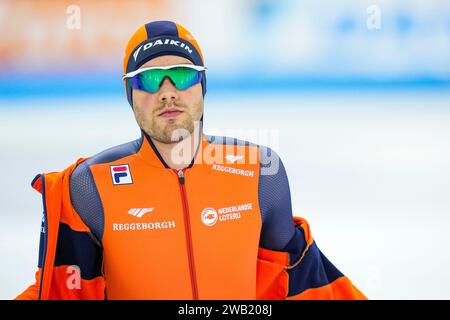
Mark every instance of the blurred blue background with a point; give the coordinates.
(253, 44)
(357, 91)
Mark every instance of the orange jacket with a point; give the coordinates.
(132, 228)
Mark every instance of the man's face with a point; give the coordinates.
(159, 114)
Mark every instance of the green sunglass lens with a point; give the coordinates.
(181, 77)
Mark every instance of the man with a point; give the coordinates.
(176, 214)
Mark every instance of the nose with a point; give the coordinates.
(167, 91)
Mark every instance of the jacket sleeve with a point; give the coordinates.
(70, 257)
(301, 273)
(290, 265)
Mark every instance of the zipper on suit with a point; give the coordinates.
(45, 237)
(187, 225)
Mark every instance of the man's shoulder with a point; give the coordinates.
(82, 170)
(115, 153)
(84, 194)
(81, 181)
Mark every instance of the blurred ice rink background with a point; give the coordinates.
(358, 92)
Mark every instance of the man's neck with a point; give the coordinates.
(180, 154)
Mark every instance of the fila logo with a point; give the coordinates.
(121, 174)
(233, 159)
(159, 42)
(139, 212)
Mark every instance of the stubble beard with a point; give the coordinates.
(169, 131)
